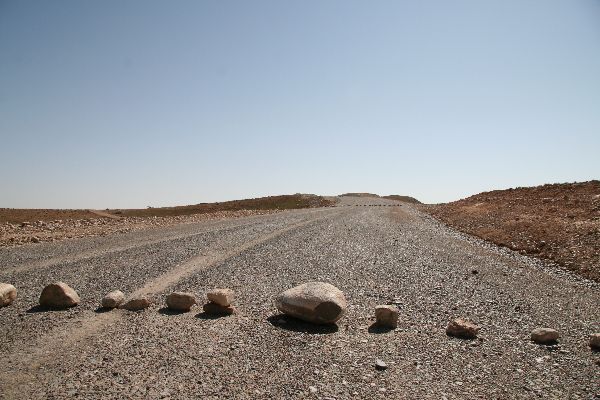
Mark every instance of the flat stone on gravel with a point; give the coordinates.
(544, 335)
(136, 303)
(216, 309)
(386, 316)
(595, 341)
(8, 293)
(180, 301)
(113, 299)
(462, 328)
(222, 297)
(59, 295)
(380, 365)
(316, 302)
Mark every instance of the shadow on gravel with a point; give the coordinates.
(295, 325)
(102, 310)
(40, 309)
(168, 311)
(377, 329)
(204, 315)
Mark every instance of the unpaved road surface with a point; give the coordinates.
(377, 251)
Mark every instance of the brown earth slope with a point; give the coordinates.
(284, 202)
(23, 226)
(559, 222)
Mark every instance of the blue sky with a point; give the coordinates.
(137, 103)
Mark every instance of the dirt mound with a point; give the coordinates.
(406, 199)
(22, 226)
(18, 215)
(558, 222)
(284, 202)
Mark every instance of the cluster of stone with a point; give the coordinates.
(219, 302)
(314, 302)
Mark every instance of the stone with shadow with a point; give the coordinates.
(315, 302)
(292, 324)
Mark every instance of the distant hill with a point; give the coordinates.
(283, 202)
(360, 195)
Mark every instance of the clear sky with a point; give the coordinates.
(136, 103)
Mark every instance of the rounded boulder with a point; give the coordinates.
(8, 294)
(59, 295)
(113, 299)
(316, 302)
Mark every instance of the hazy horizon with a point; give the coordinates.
(134, 104)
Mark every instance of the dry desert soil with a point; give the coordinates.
(558, 222)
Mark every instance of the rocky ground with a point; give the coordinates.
(559, 223)
(375, 255)
(17, 234)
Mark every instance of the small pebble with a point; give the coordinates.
(380, 365)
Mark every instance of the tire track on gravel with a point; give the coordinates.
(50, 347)
(130, 244)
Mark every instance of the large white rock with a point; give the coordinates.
(59, 295)
(317, 302)
(8, 293)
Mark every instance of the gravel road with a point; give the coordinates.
(377, 251)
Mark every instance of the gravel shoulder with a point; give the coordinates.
(377, 251)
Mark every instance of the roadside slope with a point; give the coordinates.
(558, 222)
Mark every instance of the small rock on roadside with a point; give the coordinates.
(386, 316)
(113, 299)
(216, 309)
(462, 328)
(180, 301)
(380, 365)
(316, 302)
(8, 293)
(595, 341)
(136, 303)
(59, 295)
(222, 297)
(544, 336)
